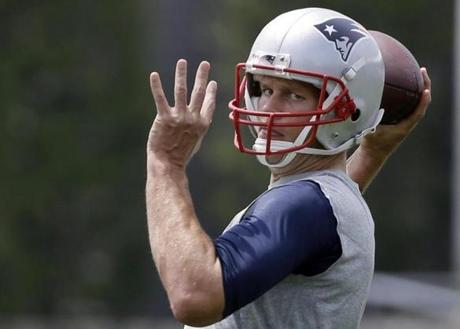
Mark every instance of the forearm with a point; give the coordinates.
(183, 253)
(363, 166)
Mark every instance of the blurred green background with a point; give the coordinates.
(75, 110)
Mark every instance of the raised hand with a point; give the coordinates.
(177, 131)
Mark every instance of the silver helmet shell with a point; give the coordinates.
(310, 45)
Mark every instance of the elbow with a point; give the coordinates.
(196, 311)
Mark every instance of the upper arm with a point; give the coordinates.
(285, 231)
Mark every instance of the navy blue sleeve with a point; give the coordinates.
(288, 229)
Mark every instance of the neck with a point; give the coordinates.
(306, 162)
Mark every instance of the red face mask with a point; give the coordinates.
(336, 108)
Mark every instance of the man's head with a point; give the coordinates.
(327, 53)
(277, 95)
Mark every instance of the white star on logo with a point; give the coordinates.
(330, 29)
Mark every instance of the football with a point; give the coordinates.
(403, 80)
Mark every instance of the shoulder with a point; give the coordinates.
(293, 198)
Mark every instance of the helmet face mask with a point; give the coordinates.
(341, 108)
(327, 50)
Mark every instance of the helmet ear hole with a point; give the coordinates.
(355, 115)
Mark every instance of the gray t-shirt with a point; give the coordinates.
(334, 299)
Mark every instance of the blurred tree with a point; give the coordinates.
(74, 118)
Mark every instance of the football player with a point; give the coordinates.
(301, 255)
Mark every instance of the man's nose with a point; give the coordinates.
(272, 104)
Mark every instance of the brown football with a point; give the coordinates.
(403, 80)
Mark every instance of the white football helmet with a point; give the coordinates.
(328, 50)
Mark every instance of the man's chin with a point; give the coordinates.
(276, 135)
(274, 158)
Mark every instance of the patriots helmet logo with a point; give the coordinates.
(343, 32)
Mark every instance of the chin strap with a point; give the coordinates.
(260, 145)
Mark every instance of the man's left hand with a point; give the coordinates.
(177, 131)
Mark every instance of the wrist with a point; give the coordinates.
(380, 153)
(161, 167)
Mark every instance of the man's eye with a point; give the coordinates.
(266, 91)
(296, 97)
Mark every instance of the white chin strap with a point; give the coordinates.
(260, 145)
